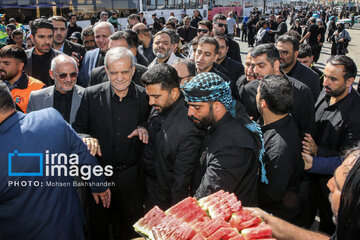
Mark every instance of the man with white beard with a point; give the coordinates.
(163, 47)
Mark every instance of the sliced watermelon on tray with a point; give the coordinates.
(151, 219)
(261, 231)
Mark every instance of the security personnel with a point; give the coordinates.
(12, 62)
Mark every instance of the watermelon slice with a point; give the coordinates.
(213, 226)
(166, 227)
(243, 215)
(260, 231)
(223, 233)
(151, 219)
(183, 232)
(181, 206)
(198, 237)
(239, 237)
(251, 223)
(204, 200)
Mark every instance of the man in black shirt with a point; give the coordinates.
(337, 128)
(288, 47)
(107, 116)
(281, 27)
(249, 74)
(265, 61)
(39, 57)
(228, 157)
(206, 54)
(283, 163)
(146, 41)
(186, 32)
(72, 27)
(219, 28)
(233, 69)
(312, 35)
(170, 156)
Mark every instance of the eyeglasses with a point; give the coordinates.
(202, 30)
(284, 52)
(221, 24)
(64, 75)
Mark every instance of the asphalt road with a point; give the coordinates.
(354, 51)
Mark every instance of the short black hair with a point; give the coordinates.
(167, 33)
(223, 37)
(291, 39)
(219, 16)
(272, 54)
(163, 74)
(175, 37)
(190, 65)
(171, 23)
(11, 26)
(277, 91)
(206, 23)
(209, 40)
(305, 51)
(16, 32)
(13, 51)
(6, 101)
(347, 62)
(71, 15)
(60, 19)
(130, 36)
(134, 16)
(88, 31)
(294, 34)
(40, 23)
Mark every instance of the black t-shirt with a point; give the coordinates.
(314, 30)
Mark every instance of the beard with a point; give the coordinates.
(162, 55)
(164, 108)
(206, 122)
(285, 65)
(336, 92)
(7, 75)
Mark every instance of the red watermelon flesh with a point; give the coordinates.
(166, 227)
(212, 200)
(151, 219)
(251, 223)
(190, 209)
(239, 237)
(260, 231)
(239, 217)
(194, 215)
(181, 206)
(183, 232)
(236, 206)
(198, 237)
(213, 226)
(222, 233)
(222, 208)
(204, 200)
(199, 224)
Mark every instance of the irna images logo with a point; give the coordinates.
(54, 164)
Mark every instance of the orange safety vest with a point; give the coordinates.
(21, 96)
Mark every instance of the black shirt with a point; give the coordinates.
(76, 28)
(147, 52)
(233, 69)
(122, 111)
(62, 103)
(284, 168)
(314, 30)
(100, 60)
(41, 66)
(337, 125)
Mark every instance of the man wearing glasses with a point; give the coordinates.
(145, 40)
(65, 96)
(204, 28)
(219, 25)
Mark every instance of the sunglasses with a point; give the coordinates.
(202, 30)
(64, 75)
(221, 24)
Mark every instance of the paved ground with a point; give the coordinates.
(354, 51)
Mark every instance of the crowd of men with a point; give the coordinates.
(175, 121)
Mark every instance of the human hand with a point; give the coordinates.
(309, 145)
(92, 145)
(104, 196)
(142, 133)
(308, 160)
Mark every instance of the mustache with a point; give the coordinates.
(192, 118)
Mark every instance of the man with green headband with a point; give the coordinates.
(228, 157)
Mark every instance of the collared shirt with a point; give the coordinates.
(337, 125)
(147, 52)
(122, 111)
(13, 86)
(62, 48)
(62, 103)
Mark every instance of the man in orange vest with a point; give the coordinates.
(12, 62)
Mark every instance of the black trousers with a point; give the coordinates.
(315, 198)
(125, 209)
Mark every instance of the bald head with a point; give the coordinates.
(64, 72)
(60, 59)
